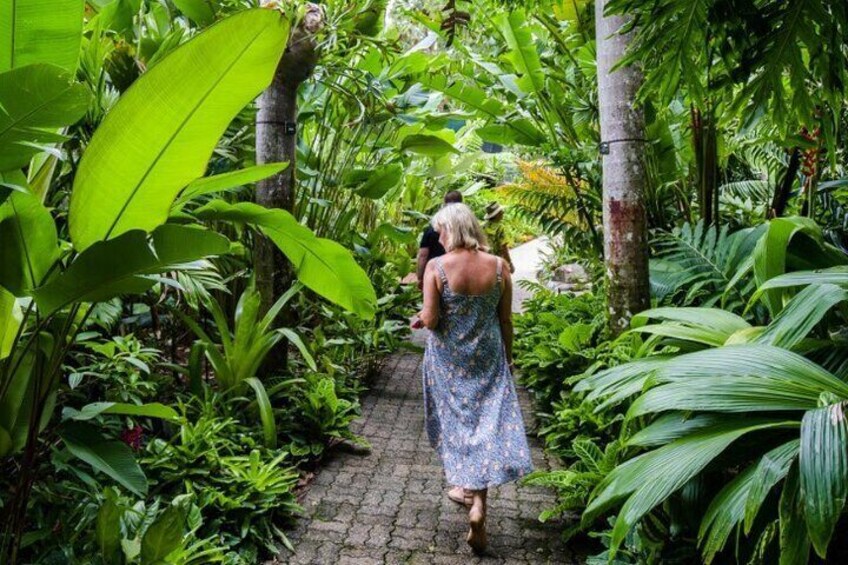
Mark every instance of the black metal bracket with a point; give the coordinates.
(604, 146)
(289, 128)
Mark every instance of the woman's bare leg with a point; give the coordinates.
(477, 522)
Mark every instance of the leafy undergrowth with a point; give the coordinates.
(208, 487)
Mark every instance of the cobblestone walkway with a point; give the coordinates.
(390, 506)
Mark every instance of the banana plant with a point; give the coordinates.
(153, 145)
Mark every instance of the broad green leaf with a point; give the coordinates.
(771, 469)
(681, 332)
(176, 112)
(823, 465)
(266, 412)
(28, 242)
(11, 317)
(752, 361)
(801, 314)
(720, 323)
(96, 275)
(107, 529)
(40, 31)
(426, 144)
(772, 253)
(201, 12)
(514, 132)
(723, 514)
(150, 410)
(35, 101)
(732, 393)
(833, 275)
(397, 234)
(617, 384)
(647, 480)
(228, 181)
(374, 183)
(111, 457)
(670, 427)
(794, 542)
(322, 265)
(16, 404)
(163, 536)
(522, 51)
(467, 94)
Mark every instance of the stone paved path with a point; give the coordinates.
(390, 506)
(527, 259)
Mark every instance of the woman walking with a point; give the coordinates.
(472, 412)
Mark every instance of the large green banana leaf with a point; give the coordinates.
(11, 317)
(124, 265)
(112, 457)
(159, 136)
(40, 31)
(522, 51)
(321, 264)
(228, 181)
(28, 243)
(35, 101)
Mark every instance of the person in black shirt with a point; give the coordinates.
(430, 247)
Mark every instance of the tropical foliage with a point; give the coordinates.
(156, 405)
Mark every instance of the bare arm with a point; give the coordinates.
(506, 256)
(505, 313)
(430, 313)
(423, 257)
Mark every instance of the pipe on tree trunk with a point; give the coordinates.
(276, 141)
(624, 174)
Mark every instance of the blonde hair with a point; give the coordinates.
(460, 228)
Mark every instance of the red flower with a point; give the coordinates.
(132, 437)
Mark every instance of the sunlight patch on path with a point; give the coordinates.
(527, 259)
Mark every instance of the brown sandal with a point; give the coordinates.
(466, 499)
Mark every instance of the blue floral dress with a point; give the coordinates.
(472, 413)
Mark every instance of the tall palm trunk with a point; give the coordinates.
(624, 176)
(276, 141)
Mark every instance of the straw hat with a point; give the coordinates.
(493, 210)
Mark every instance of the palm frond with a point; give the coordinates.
(695, 265)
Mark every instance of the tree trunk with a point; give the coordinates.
(784, 188)
(624, 176)
(276, 141)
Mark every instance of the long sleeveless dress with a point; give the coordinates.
(472, 413)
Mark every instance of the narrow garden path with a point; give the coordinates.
(390, 506)
(527, 259)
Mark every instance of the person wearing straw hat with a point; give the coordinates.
(495, 234)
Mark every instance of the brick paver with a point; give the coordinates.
(390, 506)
